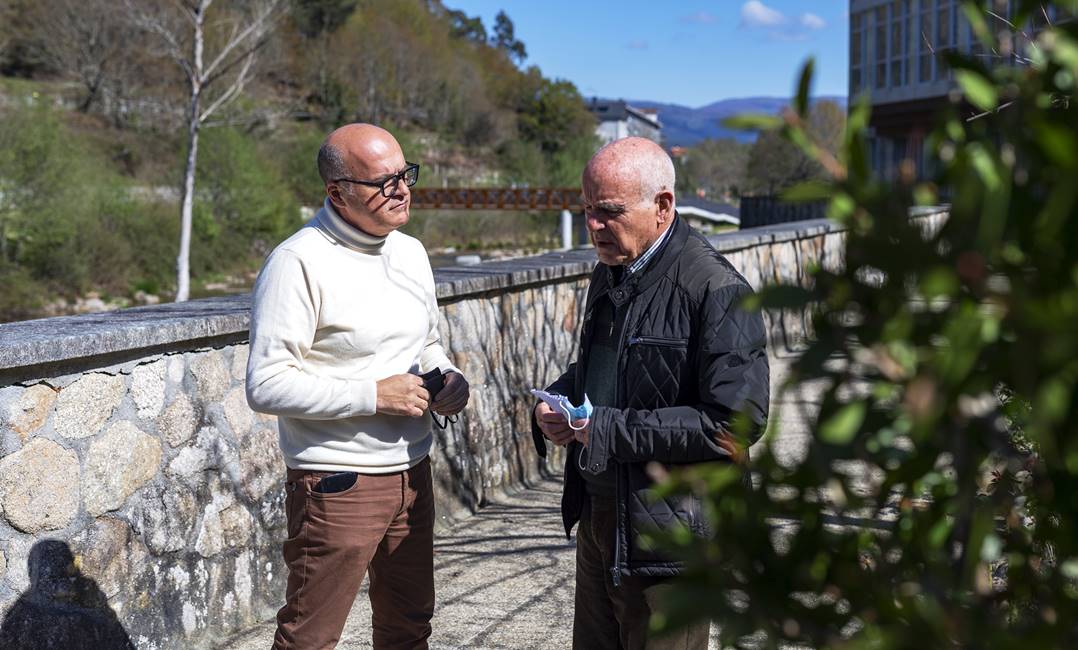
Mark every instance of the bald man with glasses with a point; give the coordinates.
(344, 322)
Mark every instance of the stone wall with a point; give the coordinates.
(140, 498)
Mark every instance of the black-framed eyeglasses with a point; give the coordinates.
(388, 185)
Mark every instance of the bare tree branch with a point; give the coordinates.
(928, 42)
(232, 91)
(997, 16)
(236, 61)
(158, 24)
(987, 113)
(1010, 24)
(255, 30)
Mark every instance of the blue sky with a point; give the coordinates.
(683, 52)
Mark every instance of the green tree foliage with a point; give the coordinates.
(67, 223)
(21, 53)
(419, 65)
(300, 152)
(551, 113)
(555, 128)
(776, 164)
(316, 18)
(505, 38)
(935, 505)
(465, 27)
(454, 96)
(244, 206)
(715, 167)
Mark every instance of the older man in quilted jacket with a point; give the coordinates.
(668, 359)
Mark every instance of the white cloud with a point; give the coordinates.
(701, 18)
(756, 14)
(812, 21)
(637, 45)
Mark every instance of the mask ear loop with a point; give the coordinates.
(449, 419)
(580, 455)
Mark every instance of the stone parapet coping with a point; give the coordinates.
(217, 321)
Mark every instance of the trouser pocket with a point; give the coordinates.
(334, 483)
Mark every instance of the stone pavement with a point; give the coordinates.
(504, 576)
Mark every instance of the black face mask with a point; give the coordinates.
(434, 382)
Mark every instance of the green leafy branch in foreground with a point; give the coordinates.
(937, 501)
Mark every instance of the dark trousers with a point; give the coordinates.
(614, 618)
(385, 522)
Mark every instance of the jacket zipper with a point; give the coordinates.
(615, 570)
(658, 341)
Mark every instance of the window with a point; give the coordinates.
(900, 10)
(944, 34)
(881, 46)
(924, 41)
(857, 52)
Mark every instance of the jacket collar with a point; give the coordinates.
(656, 268)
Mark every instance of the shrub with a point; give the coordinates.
(243, 205)
(948, 361)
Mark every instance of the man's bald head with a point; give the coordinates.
(628, 191)
(637, 162)
(344, 151)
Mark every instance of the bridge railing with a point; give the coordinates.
(482, 198)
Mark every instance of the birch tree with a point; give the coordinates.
(216, 51)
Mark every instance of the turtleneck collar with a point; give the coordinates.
(347, 234)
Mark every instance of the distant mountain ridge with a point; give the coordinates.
(684, 126)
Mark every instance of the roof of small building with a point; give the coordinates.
(618, 109)
(694, 206)
(707, 206)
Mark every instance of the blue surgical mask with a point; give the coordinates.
(561, 404)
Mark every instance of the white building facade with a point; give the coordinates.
(617, 119)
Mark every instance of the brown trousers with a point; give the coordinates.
(616, 618)
(384, 522)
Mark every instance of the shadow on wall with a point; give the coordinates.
(62, 608)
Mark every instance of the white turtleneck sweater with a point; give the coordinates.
(334, 311)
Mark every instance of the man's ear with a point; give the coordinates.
(664, 202)
(333, 191)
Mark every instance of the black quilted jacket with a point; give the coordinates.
(689, 359)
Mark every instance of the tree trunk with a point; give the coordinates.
(183, 260)
(183, 265)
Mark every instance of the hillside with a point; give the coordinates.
(685, 126)
(94, 124)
